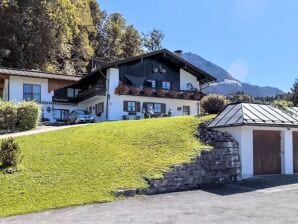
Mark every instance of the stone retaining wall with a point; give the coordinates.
(217, 164)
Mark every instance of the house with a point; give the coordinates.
(267, 137)
(155, 84)
(149, 85)
(18, 85)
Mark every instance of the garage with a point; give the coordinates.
(267, 137)
(295, 151)
(266, 152)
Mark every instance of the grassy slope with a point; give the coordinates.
(85, 164)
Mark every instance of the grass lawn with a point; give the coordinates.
(86, 164)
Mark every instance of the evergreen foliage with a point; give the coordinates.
(64, 36)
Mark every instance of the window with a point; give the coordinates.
(131, 106)
(157, 108)
(166, 85)
(76, 92)
(32, 92)
(154, 108)
(186, 110)
(189, 87)
(151, 83)
(99, 108)
(61, 115)
(71, 92)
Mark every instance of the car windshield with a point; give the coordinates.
(81, 112)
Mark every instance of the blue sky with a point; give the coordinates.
(256, 40)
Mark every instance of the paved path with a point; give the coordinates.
(257, 201)
(39, 129)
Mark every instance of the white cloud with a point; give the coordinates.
(239, 69)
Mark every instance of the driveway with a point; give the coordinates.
(38, 129)
(260, 200)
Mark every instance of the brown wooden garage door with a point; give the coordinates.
(266, 152)
(295, 151)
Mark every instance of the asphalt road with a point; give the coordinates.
(265, 200)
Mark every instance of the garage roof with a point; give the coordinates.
(255, 115)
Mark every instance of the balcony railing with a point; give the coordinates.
(123, 89)
(97, 90)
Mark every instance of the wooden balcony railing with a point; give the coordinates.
(97, 90)
(123, 89)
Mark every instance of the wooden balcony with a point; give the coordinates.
(97, 90)
(123, 89)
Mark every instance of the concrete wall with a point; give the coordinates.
(244, 136)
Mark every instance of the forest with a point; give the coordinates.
(66, 36)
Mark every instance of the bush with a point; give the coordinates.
(18, 117)
(10, 153)
(283, 104)
(213, 103)
(8, 117)
(27, 115)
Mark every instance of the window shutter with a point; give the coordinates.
(101, 110)
(125, 106)
(163, 108)
(138, 107)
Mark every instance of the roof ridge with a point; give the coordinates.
(27, 70)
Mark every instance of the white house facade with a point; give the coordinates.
(156, 84)
(20, 85)
(267, 137)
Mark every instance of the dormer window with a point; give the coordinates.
(151, 83)
(166, 85)
(189, 87)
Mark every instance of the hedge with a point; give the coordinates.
(18, 116)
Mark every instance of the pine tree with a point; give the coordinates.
(131, 42)
(153, 40)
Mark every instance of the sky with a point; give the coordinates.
(255, 40)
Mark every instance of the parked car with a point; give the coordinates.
(80, 116)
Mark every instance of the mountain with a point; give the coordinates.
(226, 83)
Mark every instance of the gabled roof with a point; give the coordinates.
(37, 74)
(254, 115)
(200, 74)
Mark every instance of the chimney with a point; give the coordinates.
(178, 53)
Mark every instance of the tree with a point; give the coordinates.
(153, 40)
(64, 36)
(131, 42)
(25, 33)
(295, 93)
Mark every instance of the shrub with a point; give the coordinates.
(213, 103)
(283, 104)
(19, 117)
(10, 153)
(8, 117)
(27, 115)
